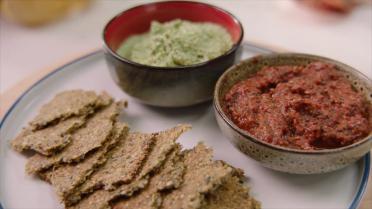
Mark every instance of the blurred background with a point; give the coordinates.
(35, 34)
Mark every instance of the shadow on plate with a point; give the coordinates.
(195, 110)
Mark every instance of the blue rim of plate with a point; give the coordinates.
(366, 172)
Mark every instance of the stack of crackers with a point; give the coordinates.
(93, 161)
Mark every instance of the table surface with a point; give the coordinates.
(282, 23)
(26, 54)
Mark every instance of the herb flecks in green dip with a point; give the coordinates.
(177, 43)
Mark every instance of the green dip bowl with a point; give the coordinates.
(168, 86)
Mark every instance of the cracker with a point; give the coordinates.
(123, 164)
(164, 144)
(147, 199)
(169, 177)
(201, 177)
(171, 173)
(199, 156)
(119, 171)
(232, 194)
(97, 130)
(67, 104)
(49, 140)
(100, 199)
(67, 177)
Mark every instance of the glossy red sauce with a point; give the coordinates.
(303, 107)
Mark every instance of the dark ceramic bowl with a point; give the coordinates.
(168, 86)
(281, 158)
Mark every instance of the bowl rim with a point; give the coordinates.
(234, 47)
(248, 136)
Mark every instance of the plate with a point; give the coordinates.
(339, 189)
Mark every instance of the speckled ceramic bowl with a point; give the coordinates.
(168, 86)
(281, 158)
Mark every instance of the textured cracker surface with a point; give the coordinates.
(147, 199)
(169, 177)
(201, 177)
(67, 177)
(127, 190)
(95, 163)
(164, 144)
(100, 199)
(67, 104)
(123, 166)
(199, 156)
(49, 140)
(232, 194)
(124, 162)
(97, 130)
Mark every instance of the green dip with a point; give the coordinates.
(177, 43)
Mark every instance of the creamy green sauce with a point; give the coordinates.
(177, 43)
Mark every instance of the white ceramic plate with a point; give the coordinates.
(340, 189)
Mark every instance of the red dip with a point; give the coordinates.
(303, 107)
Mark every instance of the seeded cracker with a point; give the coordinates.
(199, 156)
(67, 177)
(171, 174)
(164, 141)
(67, 104)
(97, 130)
(101, 199)
(201, 177)
(98, 200)
(169, 177)
(118, 169)
(232, 194)
(147, 199)
(124, 162)
(49, 140)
